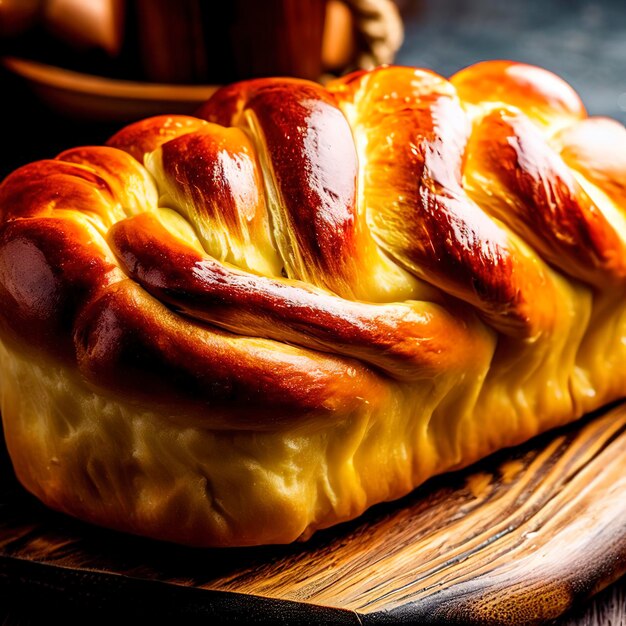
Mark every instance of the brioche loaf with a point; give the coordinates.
(241, 327)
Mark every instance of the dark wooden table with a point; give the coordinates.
(608, 608)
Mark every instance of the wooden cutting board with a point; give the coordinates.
(516, 539)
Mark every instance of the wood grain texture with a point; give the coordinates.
(520, 538)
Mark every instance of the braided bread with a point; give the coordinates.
(241, 327)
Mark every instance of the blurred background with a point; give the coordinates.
(73, 71)
(583, 41)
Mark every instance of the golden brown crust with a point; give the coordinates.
(539, 94)
(128, 182)
(49, 270)
(596, 147)
(128, 342)
(414, 134)
(311, 300)
(45, 187)
(147, 135)
(212, 177)
(310, 167)
(205, 163)
(513, 172)
(410, 341)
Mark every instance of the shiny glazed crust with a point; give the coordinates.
(241, 327)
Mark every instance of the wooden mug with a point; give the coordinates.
(193, 41)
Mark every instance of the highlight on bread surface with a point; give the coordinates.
(244, 326)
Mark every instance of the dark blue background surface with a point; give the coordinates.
(582, 41)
